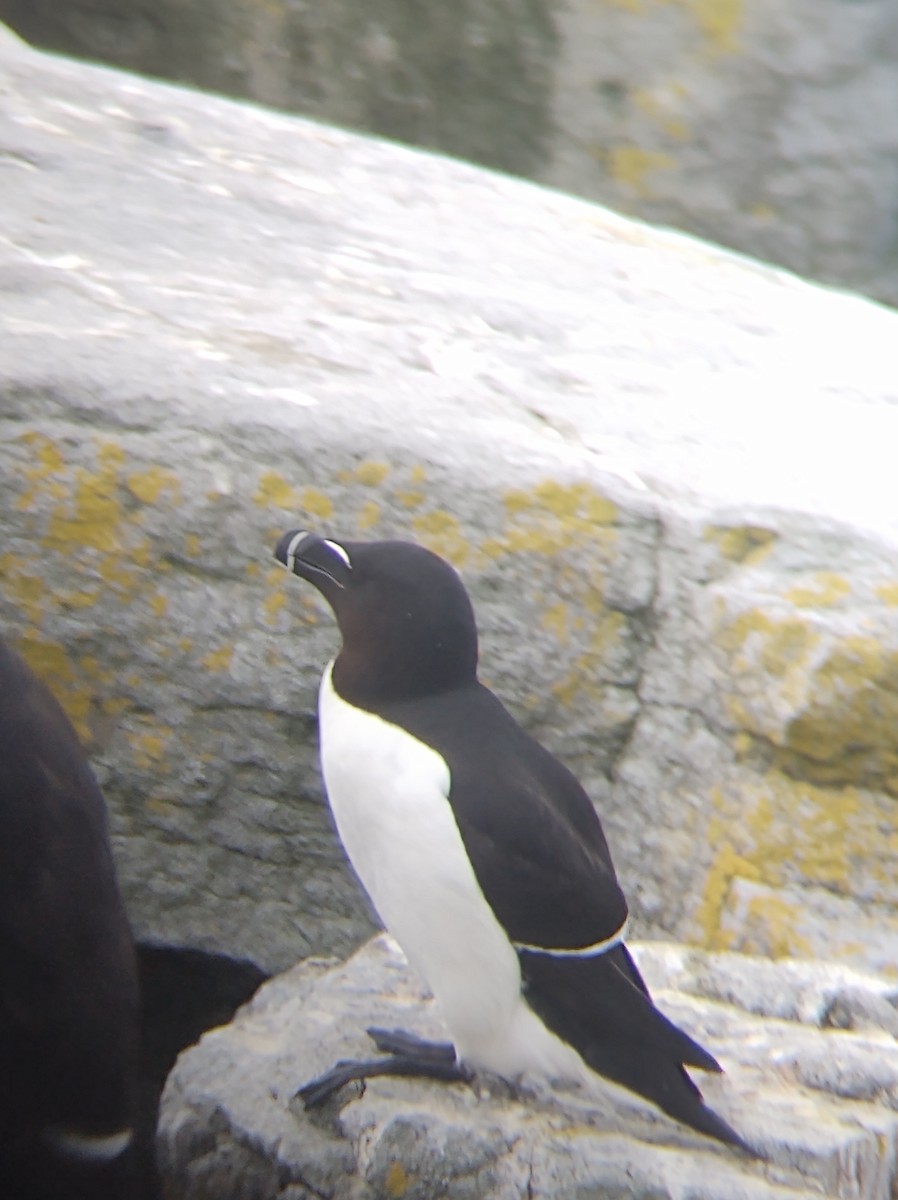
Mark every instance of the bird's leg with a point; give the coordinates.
(397, 1041)
(409, 1056)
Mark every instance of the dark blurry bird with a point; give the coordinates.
(68, 983)
(481, 852)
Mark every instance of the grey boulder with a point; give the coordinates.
(767, 127)
(667, 474)
(811, 1082)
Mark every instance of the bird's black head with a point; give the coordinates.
(407, 623)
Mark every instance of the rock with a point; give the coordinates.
(183, 993)
(818, 1104)
(667, 474)
(727, 119)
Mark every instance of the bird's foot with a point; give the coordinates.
(409, 1056)
(397, 1041)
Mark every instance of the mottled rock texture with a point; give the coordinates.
(667, 475)
(766, 125)
(811, 1081)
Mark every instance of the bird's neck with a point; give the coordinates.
(373, 683)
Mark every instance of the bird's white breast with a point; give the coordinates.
(389, 796)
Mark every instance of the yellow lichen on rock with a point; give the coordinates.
(119, 577)
(314, 501)
(786, 834)
(369, 516)
(888, 593)
(24, 585)
(218, 660)
(778, 645)
(720, 21)
(85, 519)
(88, 519)
(369, 473)
(47, 464)
(823, 590)
(654, 105)
(92, 514)
(816, 678)
(410, 497)
(579, 504)
(772, 927)
(50, 661)
(633, 6)
(747, 544)
(543, 523)
(846, 733)
(769, 666)
(76, 600)
(276, 581)
(583, 677)
(273, 489)
(726, 866)
(397, 1180)
(633, 167)
(557, 618)
(442, 532)
(148, 485)
(553, 517)
(149, 746)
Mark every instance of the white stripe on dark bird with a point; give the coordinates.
(481, 852)
(68, 978)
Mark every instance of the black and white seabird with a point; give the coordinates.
(69, 1020)
(481, 852)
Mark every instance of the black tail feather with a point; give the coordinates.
(601, 1006)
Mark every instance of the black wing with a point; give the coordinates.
(530, 830)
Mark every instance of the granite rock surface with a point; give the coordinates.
(666, 473)
(767, 126)
(811, 1082)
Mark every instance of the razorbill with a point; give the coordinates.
(481, 852)
(69, 1016)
